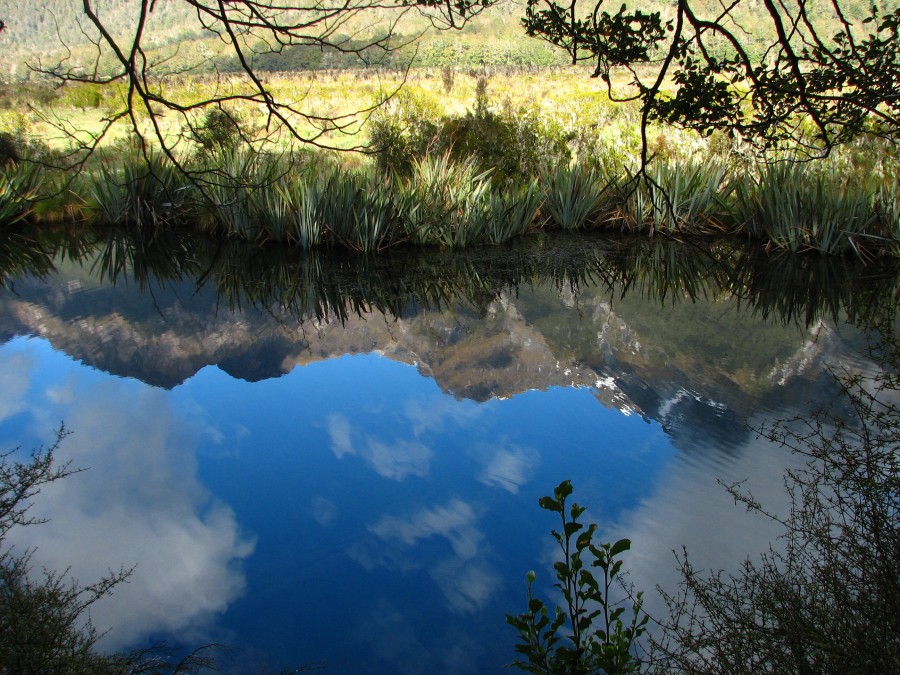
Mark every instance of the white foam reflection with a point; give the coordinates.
(138, 503)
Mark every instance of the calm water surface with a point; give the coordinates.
(339, 461)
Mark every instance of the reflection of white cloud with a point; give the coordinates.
(399, 459)
(339, 431)
(466, 580)
(395, 460)
(14, 383)
(467, 585)
(324, 511)
(455, 522)
(691, 509)
(509, 468)
(430, 415)
(139, 503)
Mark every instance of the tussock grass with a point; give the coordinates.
(575, 194)
(142, 192)
(799, 208)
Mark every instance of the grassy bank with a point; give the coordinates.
(458, 159)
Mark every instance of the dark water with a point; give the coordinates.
(338, 460)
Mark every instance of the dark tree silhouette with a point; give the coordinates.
(803, 76)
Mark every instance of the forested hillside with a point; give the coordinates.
(40, 30)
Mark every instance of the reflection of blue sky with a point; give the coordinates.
(140, 502)
(383, 510)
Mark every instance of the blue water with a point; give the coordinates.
(349, 512)
(369, 501)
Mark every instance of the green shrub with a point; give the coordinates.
(591, 632)
(799, 207)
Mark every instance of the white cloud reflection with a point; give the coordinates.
(394, 460)
(14, 384)
(508, 468)
(139, 503)
(339, 432)
(692, 510)
(466, 580)
(432, 414)
(455, 522)
(467, 585)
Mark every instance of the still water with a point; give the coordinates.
(338, 461)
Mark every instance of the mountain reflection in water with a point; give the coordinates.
(338, 459)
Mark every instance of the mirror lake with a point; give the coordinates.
(336, 460)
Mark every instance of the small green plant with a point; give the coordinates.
(18, 188)
(574, 194)
(219, 130)
(591, 632)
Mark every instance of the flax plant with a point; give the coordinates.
(799, 208)
(574, 194)
(295, 204)
(887, 202)
(511, 211)
(238, 190)
(18, 188)
(681, 198)
(360, 212)
(144, 192)
(445, 201)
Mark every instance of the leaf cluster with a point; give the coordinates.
(590, 632)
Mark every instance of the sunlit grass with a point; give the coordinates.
(18, 189)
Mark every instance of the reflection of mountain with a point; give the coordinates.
(694, 366)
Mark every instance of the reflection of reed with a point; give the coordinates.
(328, 285)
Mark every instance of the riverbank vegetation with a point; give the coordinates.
(466, 131)
(486, 159)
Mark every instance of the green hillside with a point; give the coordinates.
(37, 31)
(40, 32)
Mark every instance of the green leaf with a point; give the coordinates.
(620, 547)
(563, 490)
(549, 504)
(572, 528)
